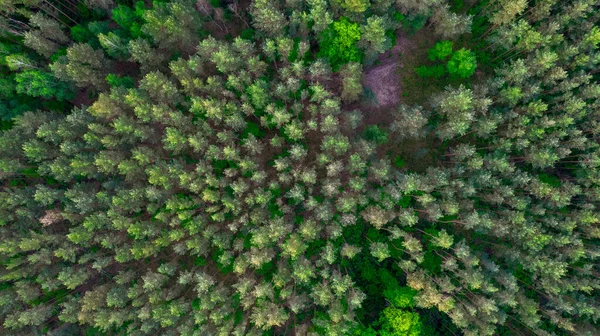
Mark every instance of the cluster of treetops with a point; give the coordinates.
(204, 168)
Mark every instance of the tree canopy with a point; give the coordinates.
(271, 167)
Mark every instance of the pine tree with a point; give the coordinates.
(268, 18)
(83, 65)
(48, 36)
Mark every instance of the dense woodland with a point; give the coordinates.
(224, 167)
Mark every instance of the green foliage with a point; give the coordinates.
(354, 6)
(124, 16)
(200, 261)
(42, 84)
(116, 80)
(374, 39)
(432, 262)
(414, 23)
(268, 18)
(376, 134)
(512, 94)
(399, 161)
(248, 34)
(254, 129)
(338, 43)
(457, 5)
(364, 331)
(553, 181)
(80, 33)
(435, 71)
(401, 297)
(398, 322)
(462, 63)
(399, 17)
(12, 108)
(259, 94)
(398, 296)
(215, 3)
(98, 27)
(387, 279)
(58, 54)
(130, 18)
(201, 183)
(114, 45)
(7, 87)
(440, 51)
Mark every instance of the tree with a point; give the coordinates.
(436, 71)
(20, 62)
(380, 251)
(354, 6)
(398, 322)
(113, 45)
(217, 187)
(48, 36)
(351, 81)
(448, 24)
(148, 57)
(373, 38)
(83, 65)
(506, 11)
(400, 297)
(440, 51)
(409, 122)
(320, 15)
(116, 80)
(267, 17)
(129, 18)
(462, 63)
(172, 25)
(375, 134)
(457, 106)
(38, 83)
(338, 43)
(417, 7)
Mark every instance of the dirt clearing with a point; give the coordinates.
(383, 77)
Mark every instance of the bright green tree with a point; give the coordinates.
(338, 43)
(440, 51)
(38, 83)
(462, 63)
(398, 322)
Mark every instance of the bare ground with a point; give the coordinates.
(393, 81)
(382, 78)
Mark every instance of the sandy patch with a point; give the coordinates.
(383, 78)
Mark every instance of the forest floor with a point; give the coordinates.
(417, 90)
(382, 77)
(392, 80)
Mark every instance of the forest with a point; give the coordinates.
(300, 167)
